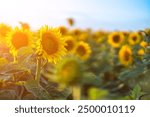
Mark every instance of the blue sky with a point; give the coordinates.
(97, 14)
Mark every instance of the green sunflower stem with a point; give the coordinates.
(38, 70)
(76, 92)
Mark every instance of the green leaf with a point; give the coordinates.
(90, 79)
(38, 91)
(56, 91)
(95, 93)
(133, 73)
(12, 68)
(136, 92)
(24, 52)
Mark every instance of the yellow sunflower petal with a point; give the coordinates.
(141, 52)
(50, 44)
(83, 50)
(4, 29)
(70, 43)
(134, 38)
(125, 55)
(116, 39)
(19, 38)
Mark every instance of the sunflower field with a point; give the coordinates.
(67, 63)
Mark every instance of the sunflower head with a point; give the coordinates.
(144, 44)
(125, 55)
(63, 30)
(83, 36)
(134, 38)
(116, 39)
(50, 44)
(83, 50)
(25, 26)
(70, 21)
(4, 29)
(147, 31)
(95, 35)
(70, 43)
(125, 33)
(141, 52)
(69, 71)
(76, 32)
(19, 38)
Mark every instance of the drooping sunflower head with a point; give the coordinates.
(83, 50)
(69, 71)
(70, 43)
(125, 55)
(116, 39)
(25, 26)
(70, 21)
(134, 38)
(18, 38)
(50, 44)
(4, 29)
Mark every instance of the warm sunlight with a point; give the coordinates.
(107, 14)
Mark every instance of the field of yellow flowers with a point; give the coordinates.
(54, 63)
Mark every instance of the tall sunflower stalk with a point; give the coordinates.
(50, 46)
(38, 70)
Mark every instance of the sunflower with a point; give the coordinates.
(25, 25)
(71, 43)
(95, 35)
(83, 36)
(76, 32)
(144, 44)
(99, 36)
(19, 38)
(83, 50)
(4, 29)
(141, 52)
(116, 39)
(50, 44)
(63, 30)
(125, 33)
(68, 71)
(147, 31)
(70, 21)
(125, 55)
(134, 38)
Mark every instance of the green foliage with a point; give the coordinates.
(136, 93)
(132, 73)
(96, 93)
(38, 91)
(103, 76)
